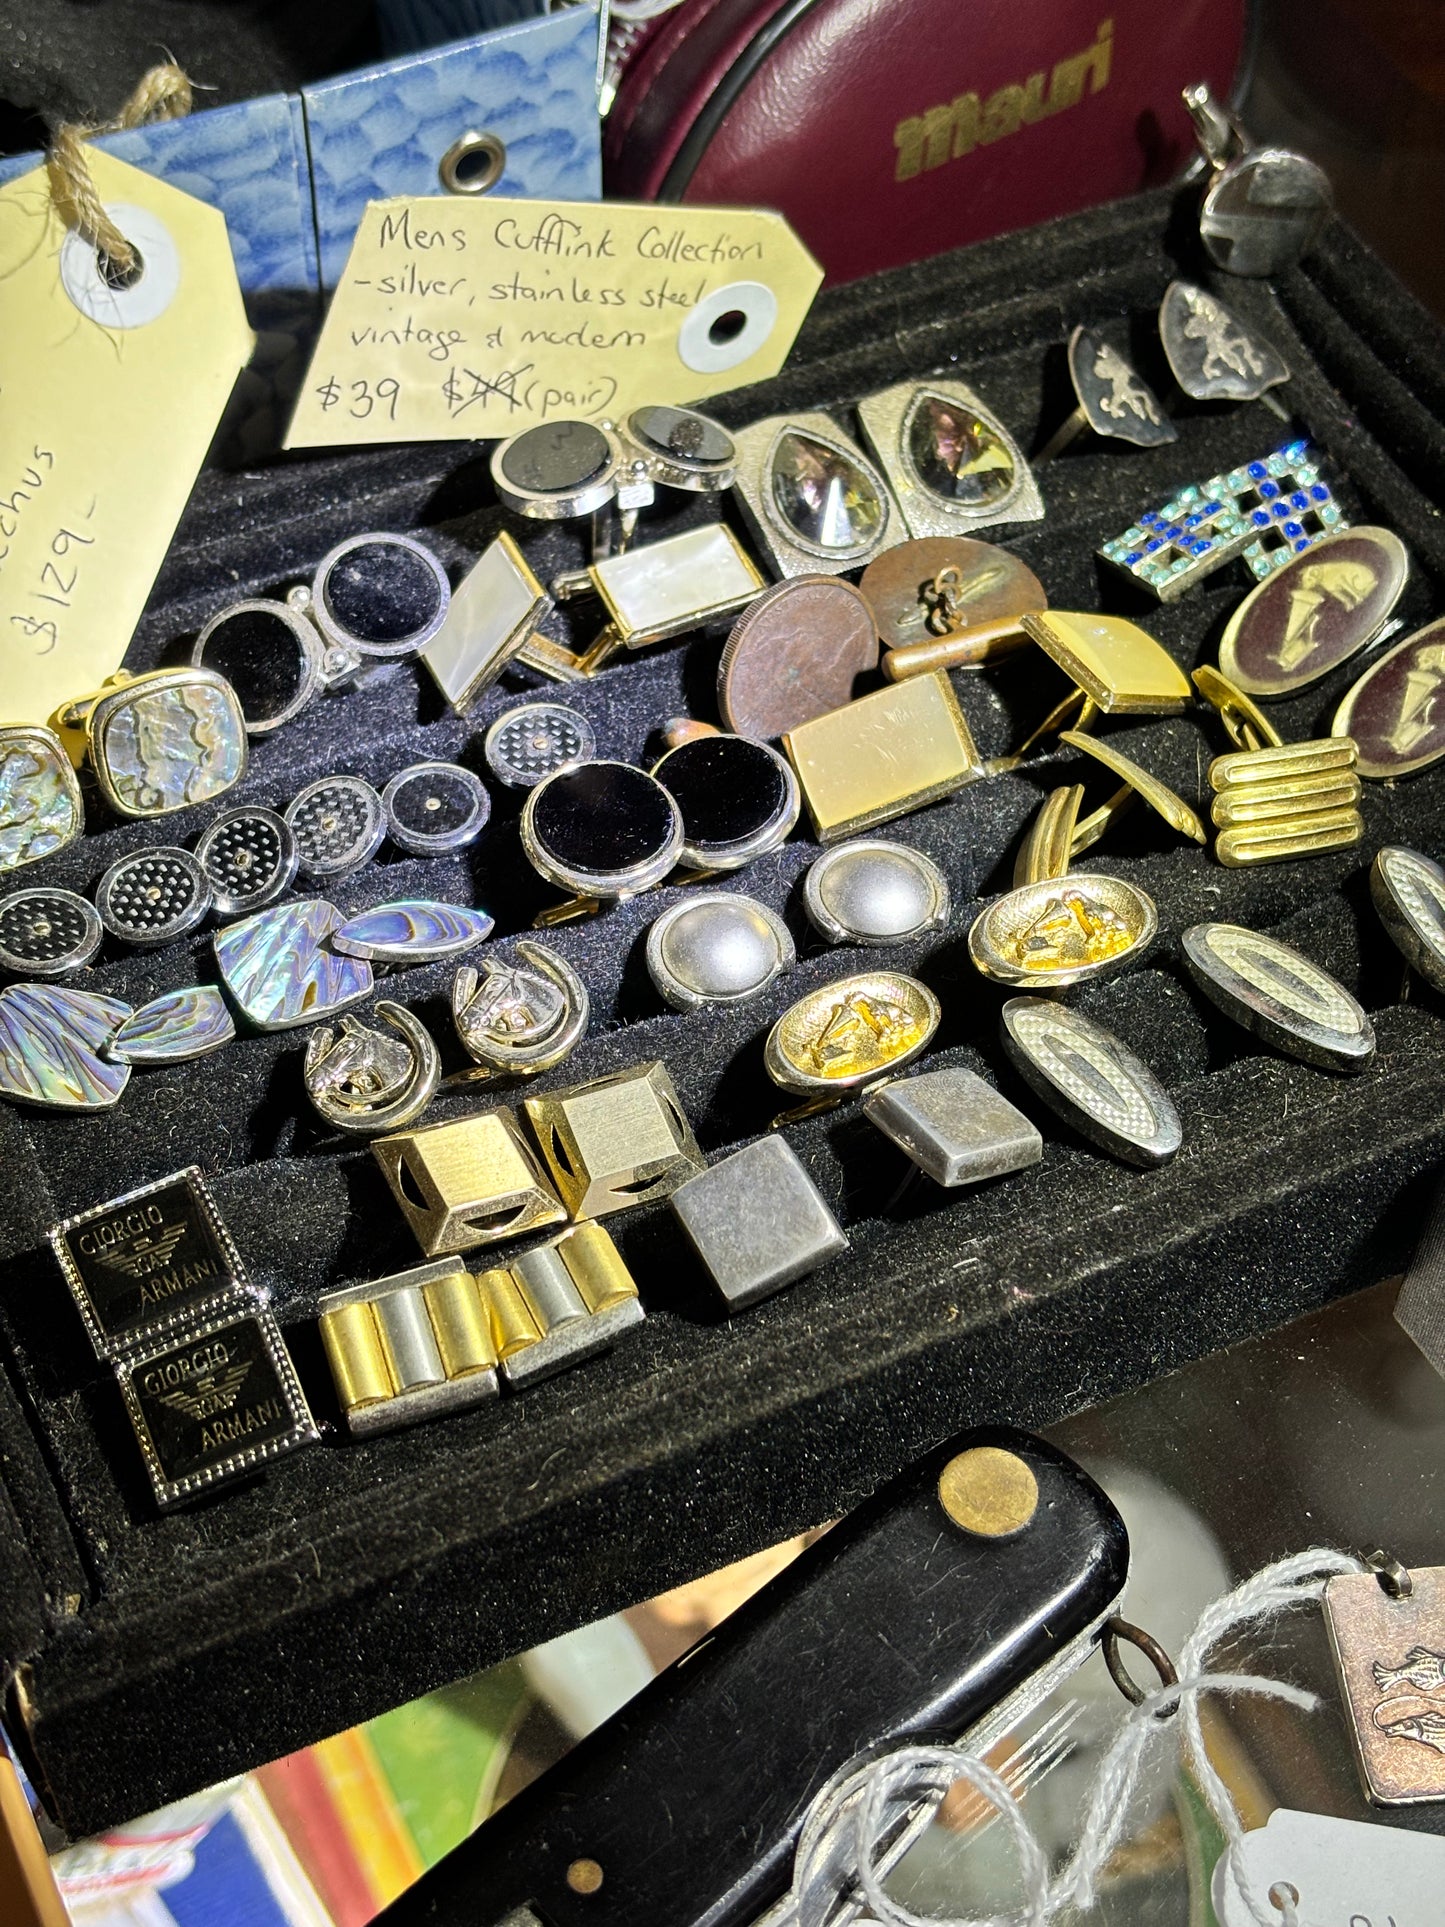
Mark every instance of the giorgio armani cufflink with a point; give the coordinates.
(603, 830)
(517, 1019)
(882, 756)
(473, 1181)
(1113, 401)
(1395, 713)
(1408, 892)
(495, 613)
(874, 891)
(1271, 799)
(40, 806)
(1266, 511)
(719, 948)
(208, 1384)
(737, 798)
(811, 497)
(952, 464)
(1213, 355)
(1091, 1079)
(1279, 996)
(795, 653)
(757, 1222)
(948, 602)
(620, 1141)
(845, 1035)
(363, 1081)
(161, 741)
(374, 598)
(1320, 609)
(955, 1127)
(1263, 206)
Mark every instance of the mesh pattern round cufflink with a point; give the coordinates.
(338, 823)
(433, 809)
(249, 857)
(44, 933)
(535, 740)
(738, 799)
(153, 896)
(603, 829)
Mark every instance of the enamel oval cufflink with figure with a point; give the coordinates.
(158, 742)
(1262, 206)
(1309, 616)
(374, 599)
(952, 464)
(812, 499)
(1395, 713)
(1113, 401)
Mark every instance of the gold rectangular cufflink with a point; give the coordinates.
(409, 1346)
(882, 756)
(470, 1182)
(621, 1141)
(494, 610)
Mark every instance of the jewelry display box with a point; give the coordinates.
(148, 1654)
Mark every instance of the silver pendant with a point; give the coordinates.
(412, 932)
(53, 1047)
(1093, 1081)
(338, 824)
(364, 1081)
(153, 897)
(1263, 206)
(45, 933)
(874, 891)
(534, 740)
(279, 972)
(1279, 995)
(1408, 891)
(249, 857)
(718, 948)
(1214, 356)
(517, 1019)
(174, 1028)
(952, 464)
(955, 1127)
(40, 807)
(812, 498)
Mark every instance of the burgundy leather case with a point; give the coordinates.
(891, 130)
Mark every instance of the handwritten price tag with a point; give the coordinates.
(108, 402)
(1341, 1873)
(472, 319)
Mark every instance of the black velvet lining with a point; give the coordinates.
(156, 1654)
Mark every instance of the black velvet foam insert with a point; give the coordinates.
(151, 1654)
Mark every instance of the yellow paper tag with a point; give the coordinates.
(470, 319)
(108, 402)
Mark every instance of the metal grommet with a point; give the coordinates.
(1393, 1577)
(1118, 1631)
(472, 164)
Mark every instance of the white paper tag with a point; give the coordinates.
(1347, 1873)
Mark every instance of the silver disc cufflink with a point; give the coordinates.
(433, 809)
(153, 896)
(46, 932)
(721, 948)
(1263, 206)
(338, 823)
(874, 891)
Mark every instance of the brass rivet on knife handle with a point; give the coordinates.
(1048, 845)
(1244, 722)
(1175, 811)
(963, 649)
(584, 1876)
(1296, 836)
(988, 1491)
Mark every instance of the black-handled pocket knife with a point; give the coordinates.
(944, 1608)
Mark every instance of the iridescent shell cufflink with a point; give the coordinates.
(40, 807)
(159, 742)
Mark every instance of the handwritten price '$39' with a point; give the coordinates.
(360, 398)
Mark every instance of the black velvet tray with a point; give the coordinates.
(147, 1655)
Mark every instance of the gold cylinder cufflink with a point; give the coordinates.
(1273, 800)
(409, 1346)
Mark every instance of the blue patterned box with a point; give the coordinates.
(290, 170)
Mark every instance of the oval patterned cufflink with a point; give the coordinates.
(1092, 1080)
(1408, 892)
(363, 1081)
(162, 741)
(850, 1033)
(1321, 608)
(737, 798)
(411, 932)
(812, 498)
(1395, 713)
(517, 1019)
(40, 806)
(720, 948)
(952, 464)
(1279, 995)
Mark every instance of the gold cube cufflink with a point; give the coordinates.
(621, 1141)
(471, 1182)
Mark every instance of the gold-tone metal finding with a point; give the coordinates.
(1244, 721)
(882, 756)
(1312, 835)
(1160, 798)
(1049, 841)
(1077, 708)
(620, 1141)
(470, 1182)
(569, 910)
(1062, 931)
(959, 649)
(354, 1351)
(989, 1492)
